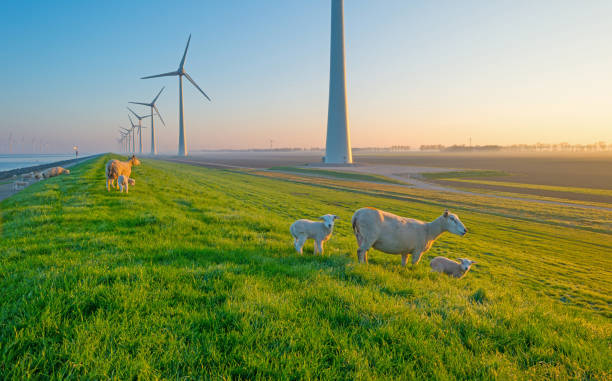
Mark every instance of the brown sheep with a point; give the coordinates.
(116, 168)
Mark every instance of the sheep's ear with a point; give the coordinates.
(336, 217)
(322, 218)
(446, 213)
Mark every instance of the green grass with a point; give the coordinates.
(590, 191)
(341, 175)
(461, 174)
(193, 275)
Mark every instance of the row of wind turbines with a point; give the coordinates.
(127, 139)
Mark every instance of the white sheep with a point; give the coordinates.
(55, 171)
(124, 182)
(393, 234)
(302, 230)
(450, 267)
(19, 185)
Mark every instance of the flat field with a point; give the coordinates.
(193, 274)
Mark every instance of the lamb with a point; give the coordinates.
(116, 168)
(124, 183)
(393, 234)
(54, 171)
(301, 230)
(450, 267)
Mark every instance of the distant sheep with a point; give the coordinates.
(19, 185)
(393, 234)
(55, 171)
(450, 267)
(302, 230)
(116, 168)
(124, 183)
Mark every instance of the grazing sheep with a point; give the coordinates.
(301, 230)
(450, 267)
(55, 171)
(38, 176)
(28, 175)
(19, 185)
(124, 183)
(116, 168)
(393, 234)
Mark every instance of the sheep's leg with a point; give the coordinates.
(107, 184)
(404, 258)
(127, 188)
(318, 247)
(299, 243)
(416, 256)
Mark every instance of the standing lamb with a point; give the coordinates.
(124, 183)
(450, 267)
(301, 230)
(55, 171)
(116, 168)
(393, 234)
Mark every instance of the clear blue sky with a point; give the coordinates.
(419, 72)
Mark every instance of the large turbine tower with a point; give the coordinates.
(338, 143)
(182, 149)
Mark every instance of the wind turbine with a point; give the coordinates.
(153, 107)
(133, 134)
(182, 150)
(140, 118)
(128, 134)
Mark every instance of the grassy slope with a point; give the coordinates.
(341, 175)
(193, 273)
(462, 174)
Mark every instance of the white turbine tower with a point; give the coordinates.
(182, 149)
(127, 133)
(338, 142)
(153, 107)
(140, 127)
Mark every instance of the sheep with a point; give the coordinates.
(393, 234)
(301, 230)
(450, 267)
(19, 185)
(38, 176)
(124, 183)
(116, 168)
(55, 171)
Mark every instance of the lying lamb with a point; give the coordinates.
(450, 267)
(301, 230)
(55, 171)
(125, 182)
(399, 235)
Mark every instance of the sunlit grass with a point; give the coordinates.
(193, 275)
(341, 174)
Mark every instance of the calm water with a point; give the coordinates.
(8, 162)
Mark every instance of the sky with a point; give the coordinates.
(418, 72)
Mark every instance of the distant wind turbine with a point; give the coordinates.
(182, 150)
(130, 135)
(153, 107)
(140, 127)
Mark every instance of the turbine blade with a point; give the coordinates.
(131, 121)
(136, 115)
(138, 103)
(160, 91)
(196, 85)
(159, 115)
(184, 54)
(162, 75)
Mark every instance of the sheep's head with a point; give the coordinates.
(67, 171)
(453, 224)
(465, 263)
(131, 181)
(328, 220)
(134, 160)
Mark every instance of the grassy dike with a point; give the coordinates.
(193, 274)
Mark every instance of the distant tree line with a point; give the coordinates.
(538, 147)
